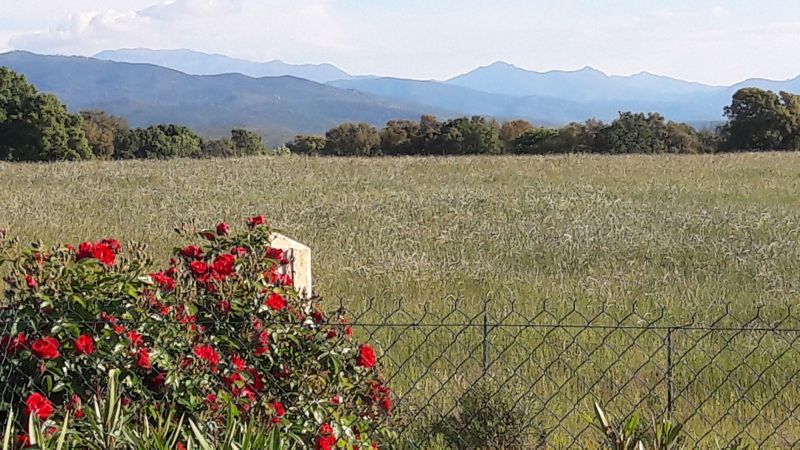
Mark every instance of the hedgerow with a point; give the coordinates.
(220, 327)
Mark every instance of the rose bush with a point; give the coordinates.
(221, 327)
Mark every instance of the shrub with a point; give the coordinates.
(222, 327)
(489, 416)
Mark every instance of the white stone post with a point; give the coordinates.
(299, 267)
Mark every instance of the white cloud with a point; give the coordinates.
(176, 9)
(263, 29)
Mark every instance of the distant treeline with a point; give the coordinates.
(758, 120)
(37, 127)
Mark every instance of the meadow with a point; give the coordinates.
(684, 234)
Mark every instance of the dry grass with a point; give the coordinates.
(686, 233)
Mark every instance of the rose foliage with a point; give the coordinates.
(219, 328)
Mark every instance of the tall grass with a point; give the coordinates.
(689, 234)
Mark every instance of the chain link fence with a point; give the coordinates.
(731, 378)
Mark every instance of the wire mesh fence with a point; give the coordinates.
(524, 375)
(730, 378)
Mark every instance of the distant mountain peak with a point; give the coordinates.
(501, 64)
(590, 69)
(194, 62)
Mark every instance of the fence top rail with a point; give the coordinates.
(574, 326)
(453, 312)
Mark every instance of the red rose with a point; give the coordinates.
(45, 348)
(223, 229)
(192, 251)
(366, 356)
(239, 251)
(211, 402)
(261, 350)
(134, 338)
(84, 345)
(326, 440)
(209, 235)
(223, 265)
(276, 254)
(113, 244)
(279, 411)
(30, 281)
(105, 254)
(207, 354)
(84, 250)
(104, 251)
(15, 344)
(325, 429)
(198, 268)
(158, 380)
(277, 278)
(233, 379)
(143, 359)
(256, 221)
(23, 440)
(38, 405)
(336, 400)
(276, 301)
(163, 281)
(383, 397)
(237, 362)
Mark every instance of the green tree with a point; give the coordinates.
(634, 133)
(101, 130)
(537, 141)
(470, 136)
(351, 139)
(218, 148)
(513, 129)
(400, 137)
(760, 120)
(307, 145)
(158, 142)
(246, 142)
(35, 126)
(425, 142)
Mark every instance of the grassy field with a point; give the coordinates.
(689, 234)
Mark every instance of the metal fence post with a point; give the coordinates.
(485, 336)
(669, 374)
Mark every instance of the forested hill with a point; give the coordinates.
(147, 94)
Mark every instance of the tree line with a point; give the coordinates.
(36, 126)
(629, 133)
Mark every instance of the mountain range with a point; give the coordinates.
(146, 94)
(213, 93)
(198, 63)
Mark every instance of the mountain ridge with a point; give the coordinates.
(146, 94)
(193, 62)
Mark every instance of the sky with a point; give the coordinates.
(710, 41)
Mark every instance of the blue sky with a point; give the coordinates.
(712, 41)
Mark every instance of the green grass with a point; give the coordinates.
(684, 233)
